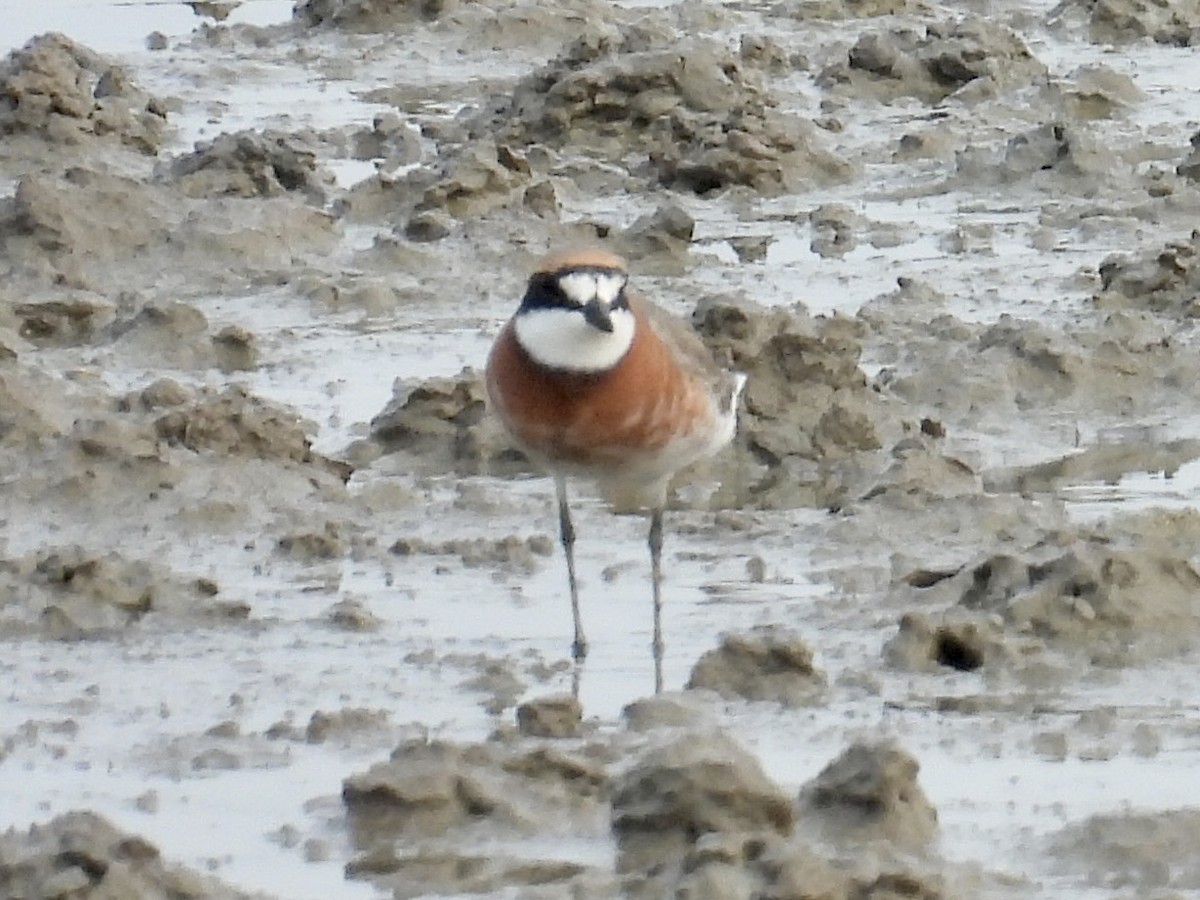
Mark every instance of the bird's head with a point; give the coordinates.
(575, 315)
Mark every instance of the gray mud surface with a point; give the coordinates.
(283, 614)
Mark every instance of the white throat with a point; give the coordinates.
(561, 339)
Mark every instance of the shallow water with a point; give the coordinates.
(115, 719)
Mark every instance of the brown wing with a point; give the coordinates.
(691, 351)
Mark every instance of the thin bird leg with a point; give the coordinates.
(655, 541)
(567, 534)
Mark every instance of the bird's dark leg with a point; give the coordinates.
(655, 542)
(567, 534)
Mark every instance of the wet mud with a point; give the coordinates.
(284, 612)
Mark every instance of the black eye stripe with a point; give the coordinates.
(545, 290)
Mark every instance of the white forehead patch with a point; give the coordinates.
(583, 286)
(562, 339)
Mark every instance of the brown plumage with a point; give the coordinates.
(641, 400)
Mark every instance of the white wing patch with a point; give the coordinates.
(583, 286)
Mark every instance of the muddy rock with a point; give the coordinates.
(764, 664)
(434, 872)
(74, 319)
(368, 15)
(172, 333)
(69, 593)
(236, 349)
(315, 546)
(59, 91)
(431, 789)
(1012, 365)
(1090, 589)
(559, 716)
(390, 140)
(66, 226)
(722, 865)
(764, 52)
(935, 63)
(658, 242)
(353, 615)
(25, 424)
(428, 226)
(444, 421)
(473, 181)
(695, 785)
(1121, 22)
(235, 422)
(1098, 92)
(1113, 597)
(807, 405)
(346, 724)
(869, 792)
(500, 685)
(1190, 167)
(962, 643)
(719, 866)
(1155, 852)
(835, 229)
(689, 111)
(1166, 280)
(81, 854)
(522, 553)
(1055, 156)
(251, 164)
(834, 10)
(670, 710)
(112, 234)
(162, 393)
(1101, 462)
(424, 788)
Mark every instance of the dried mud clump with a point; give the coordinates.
(807, 406)
(82, 855)
(1136, 852)
(1190, 167)
(67, 227)
(870, 792)
(1053, 156)
(1101, 462)
(559, 716)
(476, 179)
(1121, 22)
(719, 866)
(836, 10)
(369, 15)
(1163, 281)
(444, 421)
(1129, 362)
(250, 164)
(69, 593)
(433, 787)
(935, 63)
(24, 426)
(686, 115)
(1093, 595)
(764, 664)
(512, 550)
(236, 423)
(920, 644)
(1114, 598)
(60, 91)
(436, 789)
(71, 320)
(693, 786)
